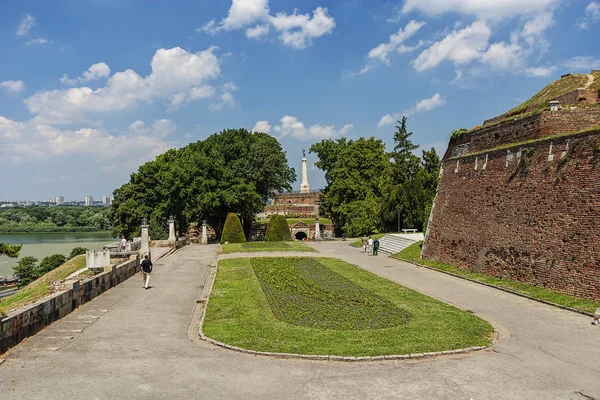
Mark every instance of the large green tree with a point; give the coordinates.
(10, 250)
(231, 171)
(26, 271)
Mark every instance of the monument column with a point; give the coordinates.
(172, 237)
(304, 186)
(145, 247)
(204, 234)
(317, 230)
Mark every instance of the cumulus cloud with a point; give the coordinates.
(422, 105)
(395, 43)
(173, 71)
(25, 26)
(291, 126)
(592, 15)
(262, 126)
(161, 128)
(95, 71)
(487, 9)
(295, 30)
(541, 72)
(584, 63)
(12, 87)
(226, 98)
(31, 141)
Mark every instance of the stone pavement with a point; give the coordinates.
(134, 344)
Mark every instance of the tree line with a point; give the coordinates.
(54, 219)
(369, 189)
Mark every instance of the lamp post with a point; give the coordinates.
(399, 212)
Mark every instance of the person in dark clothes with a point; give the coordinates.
(146, 270)
(375, 246)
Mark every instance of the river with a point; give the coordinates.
(40, 245)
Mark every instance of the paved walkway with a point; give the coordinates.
(134, 344)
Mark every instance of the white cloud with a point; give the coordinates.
(422, 105)
(31, 141)
(540, 71)
(25, 26)
(291, 126)
(161, 128)
(173, 71)
(262, 126)
(460, 46)
(95, 71)
(592, 15)
(225, 99)
(487, 9)
(37, 41)
(382, 51)
(257, 31)
(295, 30)
(12, 87)
(585, 63)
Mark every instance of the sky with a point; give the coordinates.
(92, 89)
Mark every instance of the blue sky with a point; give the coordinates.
(91, 89)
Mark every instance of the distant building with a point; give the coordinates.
(89, 201)
(106, 200)
(59, 200)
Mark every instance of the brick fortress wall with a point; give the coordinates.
(531, 212)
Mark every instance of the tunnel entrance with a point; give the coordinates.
(301, 236)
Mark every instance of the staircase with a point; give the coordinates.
(394, 243)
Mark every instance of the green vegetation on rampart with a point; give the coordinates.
(39, 219)
(413, 254)
(295, 311)
(38, 289)
(253, 247)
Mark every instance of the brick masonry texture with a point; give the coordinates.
(33, 318)
(532, 213)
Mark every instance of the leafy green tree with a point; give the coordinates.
(51, 262)
(233, 231)
(231, 171)
(10, 250)
(77, 251)
(278, 229)
(26, 271)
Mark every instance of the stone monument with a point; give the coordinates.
(145, 247)
(172, 237)
(317, 230)
(304, 186)
(204, 233)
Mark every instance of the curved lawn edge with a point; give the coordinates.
(205, 298)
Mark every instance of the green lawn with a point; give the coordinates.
(308, 221)
(413, 253)
(325, 306)
(39, 288)
(358, 243)
(252, 247)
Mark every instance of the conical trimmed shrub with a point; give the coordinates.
(278, 229)
(233, 231)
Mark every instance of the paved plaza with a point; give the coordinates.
(142, 344)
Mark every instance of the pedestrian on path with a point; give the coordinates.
(375, 246)
(370, 244)
(146, 270)
(123, 244)
(364, 243)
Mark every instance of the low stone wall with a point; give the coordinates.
(28, 321)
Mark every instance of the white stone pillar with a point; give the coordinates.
(204, 233)
(172, 237)
(145, 248)
(304, 186)
(317, 230)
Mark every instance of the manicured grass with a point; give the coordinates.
(358, 243)
(241, 314)
(308, 221)
(39, 288)
(252, 247)
(413, 254)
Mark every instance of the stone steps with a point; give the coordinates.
(391, 244)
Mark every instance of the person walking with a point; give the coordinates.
(375, 246)
(123, 244)
(370, 244)
(146, 270)
(364, 243)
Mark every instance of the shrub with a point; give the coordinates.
(26, 271)
(77, 251)
(278, 229)
(233, 231)
(51, 262)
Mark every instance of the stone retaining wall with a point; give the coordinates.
(33, 318)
